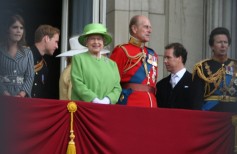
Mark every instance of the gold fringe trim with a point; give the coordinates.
(138, 57)
(215, 78)
(71, 149)
(129, 64)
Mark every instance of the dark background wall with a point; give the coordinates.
(35, 13)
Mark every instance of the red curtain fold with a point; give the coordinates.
(126, 130)
(41, 126)
(37, 126)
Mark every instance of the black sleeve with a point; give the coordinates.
(197, 92)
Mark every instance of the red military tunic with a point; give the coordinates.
(138, 70)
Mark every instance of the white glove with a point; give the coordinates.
(106, 100)
(96, 100)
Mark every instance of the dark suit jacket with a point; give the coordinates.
(39, 88)
(167, 97)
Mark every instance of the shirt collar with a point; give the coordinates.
(180, 73)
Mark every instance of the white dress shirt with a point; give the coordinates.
(175, 78)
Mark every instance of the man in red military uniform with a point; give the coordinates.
(137, 65)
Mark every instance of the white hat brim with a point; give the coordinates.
(71, 53)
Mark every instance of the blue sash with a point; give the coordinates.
(140, 75)
(208, 105)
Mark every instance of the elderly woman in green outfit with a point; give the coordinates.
(95, 78)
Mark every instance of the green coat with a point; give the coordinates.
(94, 77)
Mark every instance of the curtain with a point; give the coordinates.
(42, 126)
(80, 14)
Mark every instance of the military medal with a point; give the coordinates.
(152, 60)
(149, 59)
(148, 81)
(235, 82)
(232, 91)
(229, 70)
(42, 78)
(154, 74)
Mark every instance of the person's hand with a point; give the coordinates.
(21, 94)
(105, 100)
(6, 93)
(96, 100)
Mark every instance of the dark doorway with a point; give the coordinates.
(35, 13)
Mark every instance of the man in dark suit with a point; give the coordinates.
(173, 90)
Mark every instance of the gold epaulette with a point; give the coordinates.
(39, 65)
(138, 57)
(198, 67)
(211, 79)
(201, 62)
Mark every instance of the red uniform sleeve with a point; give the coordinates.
(120, 58)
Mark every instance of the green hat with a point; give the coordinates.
(94, 28)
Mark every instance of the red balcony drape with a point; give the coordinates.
(41, 126)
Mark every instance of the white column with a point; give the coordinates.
(64, 33)
(96, 11)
